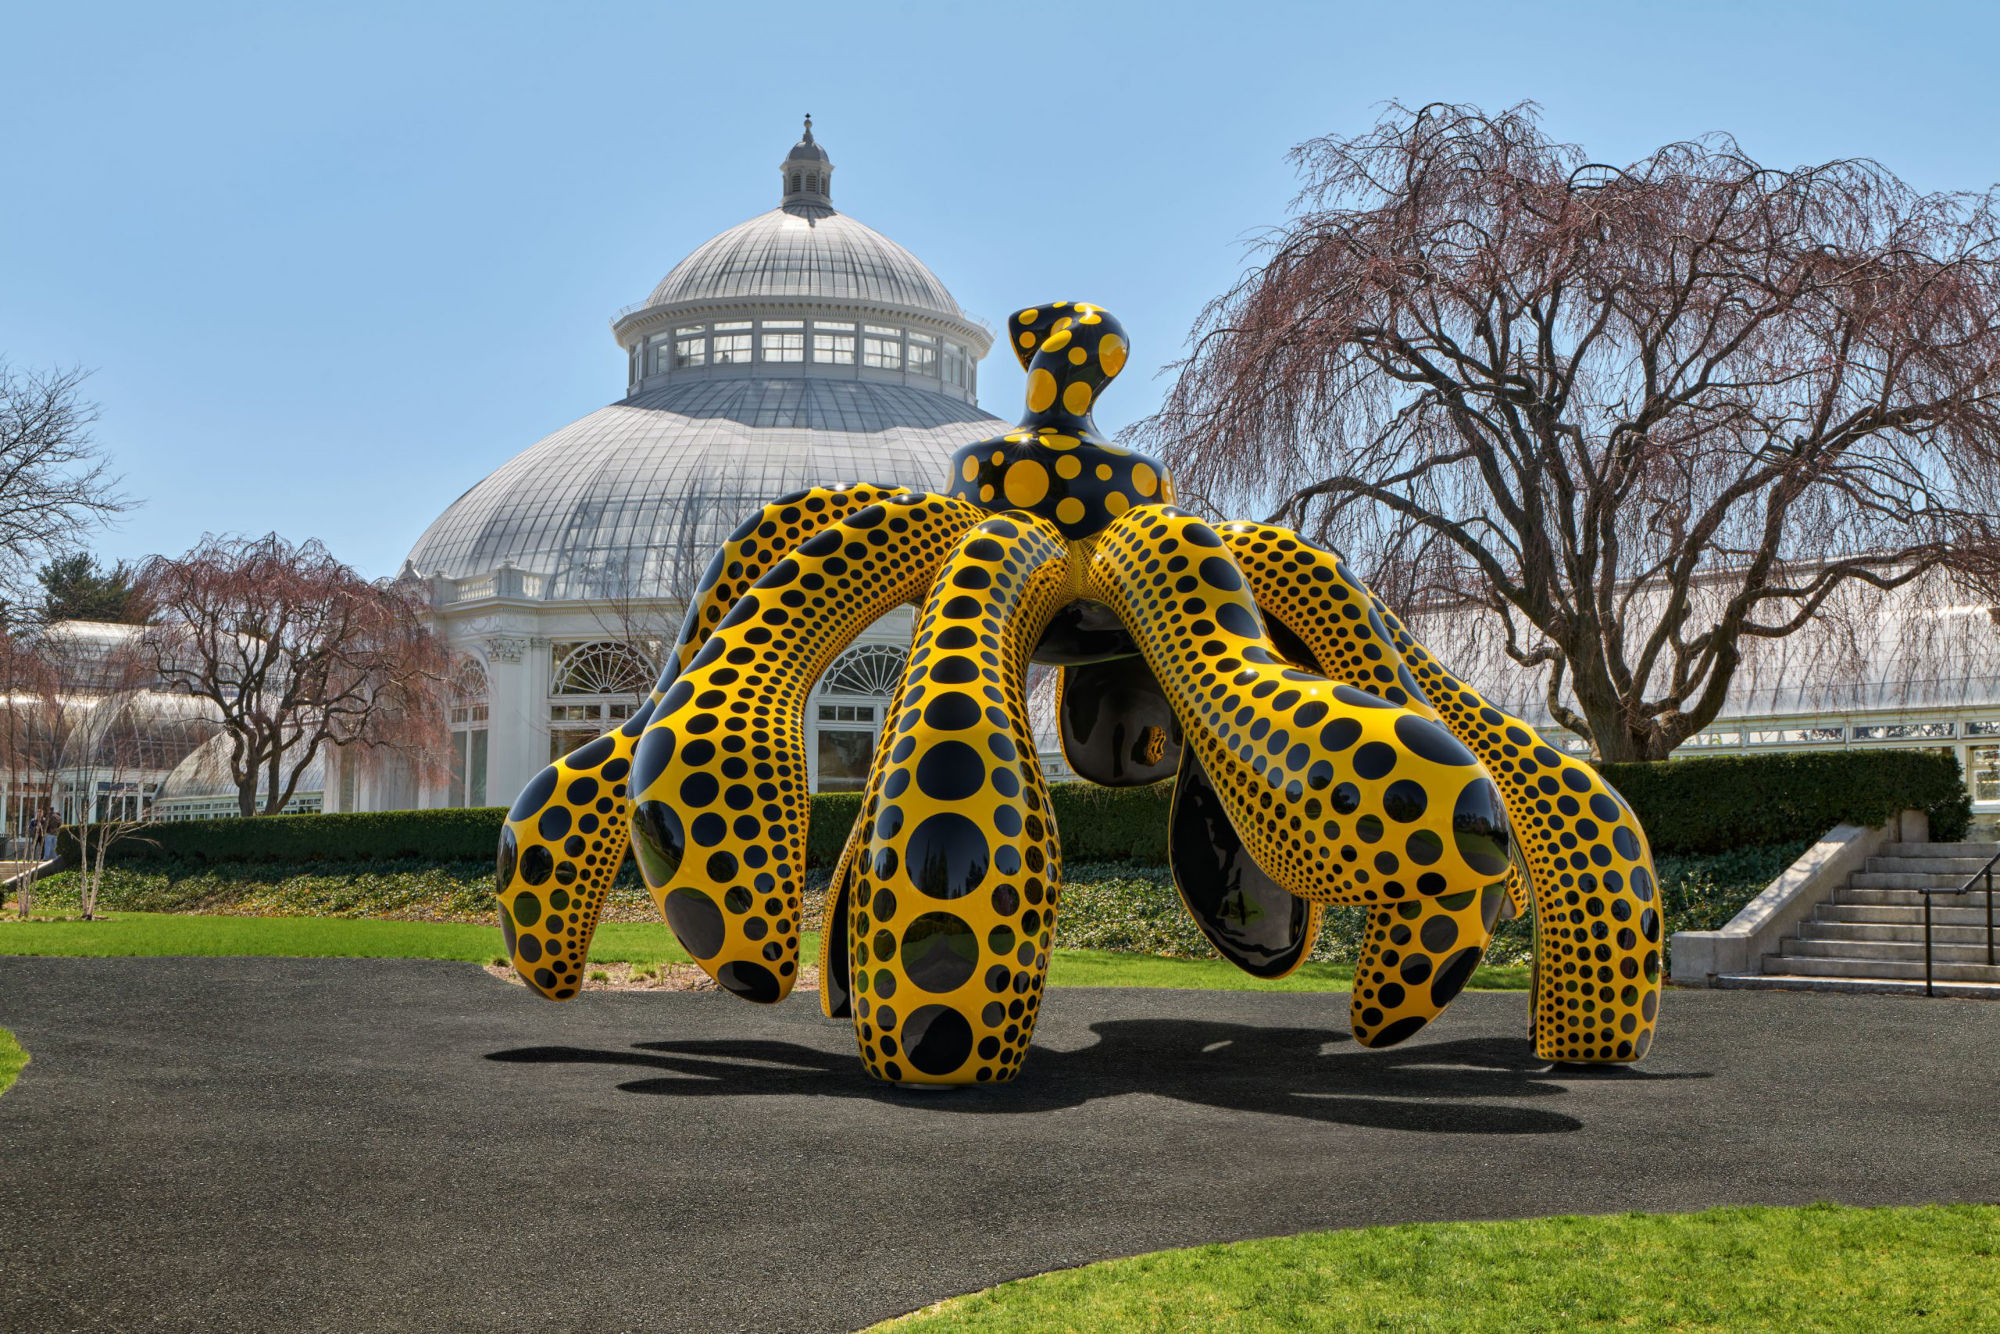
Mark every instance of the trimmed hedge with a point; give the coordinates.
(442, 835)
(1707, 804)
(1713, 803)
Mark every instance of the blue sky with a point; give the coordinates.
(331, 264)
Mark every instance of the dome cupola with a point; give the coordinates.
(803, 291)
(797, 348)
(807, 174)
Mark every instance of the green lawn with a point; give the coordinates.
(1740, 1269)
(12, 1057)
(148, 933)
(144, 933)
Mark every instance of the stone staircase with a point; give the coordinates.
(1870, 935)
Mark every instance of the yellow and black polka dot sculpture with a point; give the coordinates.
(1321, 756)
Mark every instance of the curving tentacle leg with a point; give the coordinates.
(1415, 957)
(719, 777)
(1247, 916)
(1590, 872)
(1340, 796)
(1597, 920)
(566, 835)
(1114, 724)
(836, 996)
(955, 898)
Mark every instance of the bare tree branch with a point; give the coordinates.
(1638, 415)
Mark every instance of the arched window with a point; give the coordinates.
(795, 182)
(602, 668)
(866, 669)
(469, 712)
(592, 688)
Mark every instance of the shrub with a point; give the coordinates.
(440, 835)
(1707, 804)
(1716, 802)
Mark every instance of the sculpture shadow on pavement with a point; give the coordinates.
(1462, 1087)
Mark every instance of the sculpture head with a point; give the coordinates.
(1055, 463)
(1071, 350)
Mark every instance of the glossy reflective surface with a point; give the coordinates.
(1117, 728)
(1084, 631)
(1258, 926)
(836, 999)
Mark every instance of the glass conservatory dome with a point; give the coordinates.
(798, 348)
(801, 251)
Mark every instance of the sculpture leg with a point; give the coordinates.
(566, 836)
(1590, 873)
(836, 997)
(719, 776)
(1248, 917)
(954, 901)
(1597, 918)
(1414, 957)
(1339, 795)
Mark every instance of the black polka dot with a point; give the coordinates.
(751, 981)
(1425, 739)
(940, 952)
(696, 921)
(937, 1039)
(1479, 827)
(1234, 617)
(1339, 734)
(951, 712)
(950, 771)
(1438, 933)
(1375, 759)
(535, 795)
(946, 856)
(1396, 1032)
(537, 864)
(1220, 572)
(1404, 801)
(658, 841)
(504, 862)
(1451, 978)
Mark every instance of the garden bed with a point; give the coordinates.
(1126, 907)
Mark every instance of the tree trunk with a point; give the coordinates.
(89, 872)
(1613, 740)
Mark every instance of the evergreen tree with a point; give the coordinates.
(77, 588)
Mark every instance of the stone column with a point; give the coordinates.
(517, 728)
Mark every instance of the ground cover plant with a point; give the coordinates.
(1824, 1267)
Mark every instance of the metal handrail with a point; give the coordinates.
(1983, 873)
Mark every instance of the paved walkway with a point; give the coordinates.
(390, 1145)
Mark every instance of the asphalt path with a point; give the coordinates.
(361, 1145)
